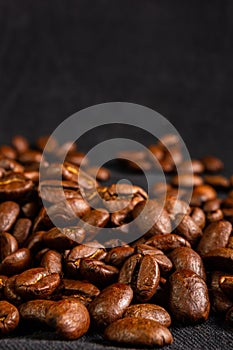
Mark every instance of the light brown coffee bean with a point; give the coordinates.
(149, 311)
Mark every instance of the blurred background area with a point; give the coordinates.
(58, 56)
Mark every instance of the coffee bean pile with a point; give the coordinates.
(179, 271)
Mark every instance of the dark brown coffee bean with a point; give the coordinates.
(9, 212)
(36, 283)
(53, 191)
(117, 256)
(189, 300)
(165, 264)
(48, 141)
(110, 304)
(69, 317)
(15, 187)
(188, 228)
(226, 284)
(198, 217)
(220, 302)
(143, 274)
(8, 152)
(202, 194)
(219, 259)
(91, 251)
(216, 235)
(8, 245)
(97, 272)
(228, 214)
(9, 317)
(10, 165)
(149, 311)
(77, 158)
(176, 206)
(227, 202)
(52, 261)
(167, 242)
(22, 229)
(61, 239)
(16, 262)
(194, 165)
(217, 181)
(212, 164)
(10, 292)
(212, 205)
(30, 209)
(138, 332)
(80, 289)
(215, 216)
(94, 221)
(186, 180)
(156, 219)
(185, 258)
(20, 143)
(30, 156)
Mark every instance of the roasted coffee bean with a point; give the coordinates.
(9, 212)
(52, 261)
(30, 156)
(20, 143)
(165, 264)
(149, 311)
(94, 221)
(83, 290)
(30, 209)
(228, 214)
(216, 235)
(68, 317)
(185, 258)
(22, 230)
(198, 217)
(16, 262)
(161, 188)
(189, 300)
(176, 206)
(117, 256)
(138, 332)
(8, 152)
(220, 302)
(212, 164)
(215, 216)
(36, 283)
(90, 251)
(10, 165)
(8, 245)
(186, 180)
(9, 317)
(61, 239)
(167, 242)
(212, 205)
(48, 141)
(143, 274)
(156, 219)
(77, 158)
(53, 191)
(188, 228)
(35, 241)
(202, 194)
(10, 293)
(15, 187)
(110, 304)
(194, 165)
(217, 181)
(219, 259)
(227, 202)
(97, 272)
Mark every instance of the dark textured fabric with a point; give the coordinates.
(59, 56)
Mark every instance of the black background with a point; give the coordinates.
(57, 57)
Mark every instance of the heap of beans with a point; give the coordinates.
(177, 272)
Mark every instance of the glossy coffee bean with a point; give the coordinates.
(138, 332)
(22, 229)
(9, 212)
(8, 245)
(97, 272)
(167, 242)
(212, 164)
(52, 261)
(9, 317)
(189, 300)
(110, 304)
(16, 262)
(149, 311)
